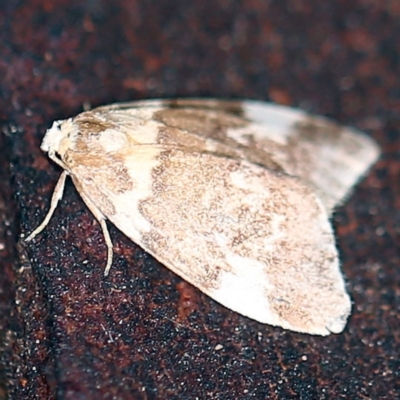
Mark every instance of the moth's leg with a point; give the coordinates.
(57, 196)
(101, 219)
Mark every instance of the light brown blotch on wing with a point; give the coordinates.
(211, 125)
(183, 209)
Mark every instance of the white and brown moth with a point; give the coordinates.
(233, 196)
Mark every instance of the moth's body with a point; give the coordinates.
(228, 195)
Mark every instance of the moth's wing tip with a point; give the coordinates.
(337, 325)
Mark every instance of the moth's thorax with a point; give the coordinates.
(88, 133)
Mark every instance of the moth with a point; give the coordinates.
(233, 196)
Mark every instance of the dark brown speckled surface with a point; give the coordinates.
(143, 333)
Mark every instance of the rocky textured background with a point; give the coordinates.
(143, 333)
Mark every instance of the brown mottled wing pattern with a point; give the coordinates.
(231, 228)
(329, 157)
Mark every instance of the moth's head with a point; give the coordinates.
(57, 138)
